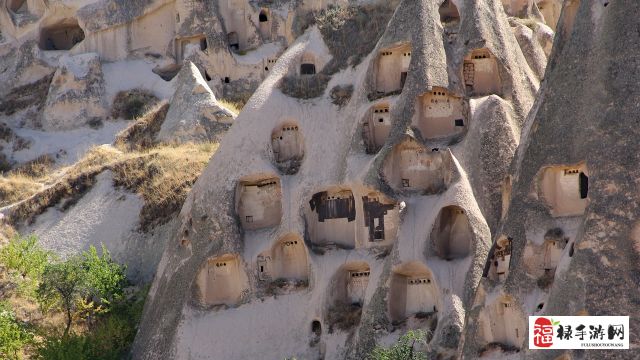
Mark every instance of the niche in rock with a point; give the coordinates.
(480, 73)
(499, 260)
(440, 114)
(376, 127)
(381, 218)
(392, 66)
(308, 64)
(196, 42)
(287, 260)
(413, 292)
(316, 333)
(449, 13)
(565, 189)
(259, 202)
(222, 281)
(287, 144)
(264, 24)
(412, 167)
(451, 234)
(350, 284)
(61, 36)
(331, 218)
(502, 323)
(554, 244)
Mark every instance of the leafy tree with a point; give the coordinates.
(13, 335)
(63, 287)
(404, 349)
(82, 285)
(109, 338)
(25, 259)
(105, 279)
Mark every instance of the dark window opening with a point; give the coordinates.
(203, 44)
(263, 16)
(206, 76)
(307, 69)
(227, 80)
(316, 328)
(381, 120)
(571, 250)
(403, 78)
(459, 122)
(266, 68)
(584, 186)
(232, 38)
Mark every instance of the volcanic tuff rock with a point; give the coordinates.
(369, 154)
(194, 114)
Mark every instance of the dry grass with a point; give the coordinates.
(141, 134)
(17, 187)
(161, 175)
(132, 104)
(234, 106)
(40, 167)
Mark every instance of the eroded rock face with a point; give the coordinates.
(194, 114)
(386, 202)
(76, 94)
(565, 245)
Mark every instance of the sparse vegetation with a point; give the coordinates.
(233, 106)
(343, 316)
(406, 348)
(162, 175)
(133, 104)
(141, 134)
(341, 94)
(17, 187)
(36, 168)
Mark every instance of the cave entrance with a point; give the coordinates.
(62, 36)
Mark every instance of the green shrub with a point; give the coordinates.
(81, 286)
(404, 349)
(26, 260)
(13, 335)
(105, 279)
(110, 338)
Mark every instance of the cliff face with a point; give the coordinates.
(339, 226)
(572, 218)
(447, 165)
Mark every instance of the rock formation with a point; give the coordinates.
(387, 223)
(194, 113)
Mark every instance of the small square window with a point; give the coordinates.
(249, 219)
(459, 122)
(405, 182)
